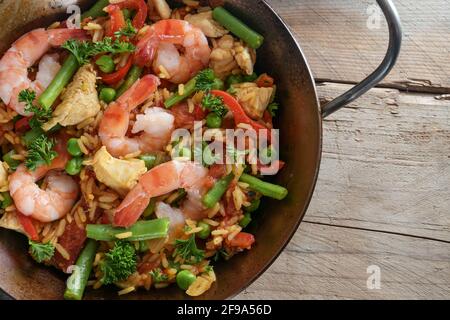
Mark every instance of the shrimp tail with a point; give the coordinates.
(131, 207)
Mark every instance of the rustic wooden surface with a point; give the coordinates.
(383, 194)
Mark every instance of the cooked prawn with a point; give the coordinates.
(44, 205)
(152, 129)
(160, 180)
(23, 54)
(158, 48)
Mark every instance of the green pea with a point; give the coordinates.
(206, 230)
(108, 94)
(254, 205)
(12, 163)
(7, 200)
(245, 221)
(32, 135)
(105, 64)
(185, 278)
(73, 167)
(213, 120)
(234, 79)
(218, 84)
(73, 148)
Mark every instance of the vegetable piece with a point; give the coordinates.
(119, 263)
(206, 230)
(188, 250)
(254, 205)
(7, 200)
(273, 108)
(150, 209)
(74, 165)
(22, 124)
(73, 148)
(158, 276)
(62, 78)
(238, 28)
(141, 11)
(149, 159)
(116, 21)
(32, 135)
(40, 115)
(213, 120)
(265, 188)
(234, 79)
(245, 221)
(214, 104)
(41, 251)
(141, 230)
(238, 112)
(40, 152)
(28, 226)
(108, 94)
(185, 278)
(265, 81)
(96, 10)
(126, 14)
(133, 76)
(105, 64)
(205, 80)
(115, 77)
(217, 191)
(77, 281)
(243, 240)
(127, 31)
(12, 163)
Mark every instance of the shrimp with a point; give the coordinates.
(152, 129)
(158, 48)
(23, 54)
(44, 205)
(160, 180)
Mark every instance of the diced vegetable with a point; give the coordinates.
(242, 240)
(185, 278)
(217, 191)
(7, 200)
(213, 120)
(254, 205)
(62, 78)
(265, 188)
(117, 76)
(74, 165)
(7, 157)
(238, 28)
(189, 89)
(132, 77)
(96, 10)
(77, 281)
(206, 230)
(245, 221)
(32, 135)
(141, 230)
(28, 226)
(73, 147)
(105, 64)
(107, 94)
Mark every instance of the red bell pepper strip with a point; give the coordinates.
(238, 112)
(22, 125)
(117, 20)
(141, 11)
(243, 240)
(115, 77)
(28, 226)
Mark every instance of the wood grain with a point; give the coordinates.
(331, 263)
(340, 47)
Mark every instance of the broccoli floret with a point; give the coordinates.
(119, 263)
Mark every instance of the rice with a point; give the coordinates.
(194, 230)
(164, 74)
(63, 252)
(10, 208)
(91, 26)
(219, 232)
(211, 222)
(82, 147)
(181, 89)
(164, 261)
(192, 3)
(217, 241)
(124, 235)
(61, 228)
(191, 106)
(108, 198)
(132, 155)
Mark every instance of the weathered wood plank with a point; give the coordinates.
(324, 262)
(386, 164)
(340, 46)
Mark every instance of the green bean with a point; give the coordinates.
(62, 78)
(141, 230)
(245, 221)
(265, 188)
(238, 28)
(189, 88)
(133, 76)
(96, 10)
(153, 159)
(76, 283)
(254, 205)
(217, 191)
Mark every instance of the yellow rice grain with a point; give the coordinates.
(98, 258)
(194, 230)
(217, 241)
(211, 222)
(191, 3)
(161, 285)
(214, 210)
(124, 59)
(132, 155)
(254, 169)
(10, 208)
(82, 147)
(181, 89)
(90, 186)
(191, 105)
(98, 35)
(61, 228)
(164, 74)
(82, 215)
(69, 218)
(19, 157)
(92, 209)
(219, 232)
(97, 285)
(166, 94)
(9, 137)
(222, 210)
(237, 198)
(49, 236)
(243, 185)
(172, 271)
(234, 233)
(106, 206)
(108, 198)
(164, 261)
(115, 1)
(245, 126)
(54, 25)
(46, 229)
(90, 197)
(198, 97)
(1, 198)
(143, 31)
(124, 235)
(155, 245)
(186, 267)
(78, 221)
(92, 26)
(191, 223)
(63, 252)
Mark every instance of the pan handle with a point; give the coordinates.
(395, 42)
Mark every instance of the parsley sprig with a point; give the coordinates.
(214, 104)
(158, 276)
(40, 152)
(188, 250)
(40, 115)
(84, 50)
(41, 251)
(127, 31)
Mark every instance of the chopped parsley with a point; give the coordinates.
(120, 263)
(188, 250)
(40, 152)
(40, 115)
(127, 31)
(214, 104)
(273, 108)
(158, 276)
(41, 251)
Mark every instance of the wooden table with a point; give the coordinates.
(383, 195)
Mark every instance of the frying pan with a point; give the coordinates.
(300, 123)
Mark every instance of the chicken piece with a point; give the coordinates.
(210, 27)
(162, 8)
(9, 221)
(3, 177)
(230, 56)
(119, 175)
(79, 101)
(253, 99)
